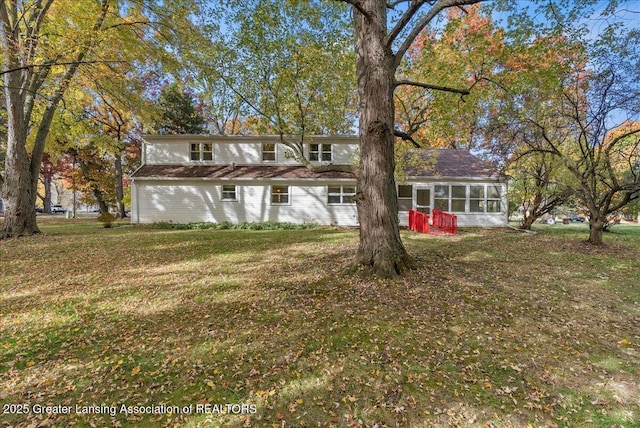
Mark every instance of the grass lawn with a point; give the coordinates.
(260, 328)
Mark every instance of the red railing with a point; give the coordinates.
(445, 221)
(418, 222)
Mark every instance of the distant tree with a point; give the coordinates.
(288, 70)
(469, 51)
(588, 129)
(178, 113)
(538, 186)
(44, 44)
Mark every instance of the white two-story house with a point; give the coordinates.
(195, 178)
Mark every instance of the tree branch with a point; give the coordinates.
(51, 64)
(433, 87)
(406, 137)
(356, 5)
(403, 21)
(417, 29)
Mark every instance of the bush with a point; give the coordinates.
(106, 219)
(226, 225)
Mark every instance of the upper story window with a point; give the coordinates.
(268, 152)
(201, 152)
(320, 152)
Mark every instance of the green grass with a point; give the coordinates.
(496, 328)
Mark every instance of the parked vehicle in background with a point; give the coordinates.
(55, 209)
(576, 217)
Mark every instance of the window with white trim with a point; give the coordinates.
(280, 195)
(441, 197)
(494, 200)
(458, 198)
(341, 195)
(269, 152)
(477, 202)
(201, 152)
(320, 152)
(229, 192)
(405, 197)
(473, 198)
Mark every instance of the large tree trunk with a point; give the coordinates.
(381, 250)
(596, 227)
(528, 220)
(19, 188)
(18, 194)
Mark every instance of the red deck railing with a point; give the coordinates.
(445, 221)
(418, 222)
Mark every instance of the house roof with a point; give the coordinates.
(450, 163)
(237, 171)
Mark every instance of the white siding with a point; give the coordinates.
(200, 201)
(345, 153)
(166, 153)
(247, 151)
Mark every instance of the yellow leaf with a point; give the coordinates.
(299, 401)
(31, 363)
(135, 370)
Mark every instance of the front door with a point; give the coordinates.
(423, 200)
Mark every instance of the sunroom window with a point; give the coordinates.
(476, 199)
(458, 198)
(405, 197)
(494, 201)
(441, 197)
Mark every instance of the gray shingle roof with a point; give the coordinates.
(237, 171)
(450, 163)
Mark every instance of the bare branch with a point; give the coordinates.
(404, 21)
(356, 5)
(406, 137)
(51, 64)
(433, 87)
(391, 5)
(417, 29)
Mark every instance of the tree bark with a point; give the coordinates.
(381, 250)
(19, 187)
(20, 212)
(528, 221)
(21, 89)
(596, 227)
(119, 187)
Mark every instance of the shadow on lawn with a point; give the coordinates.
(231, 318)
